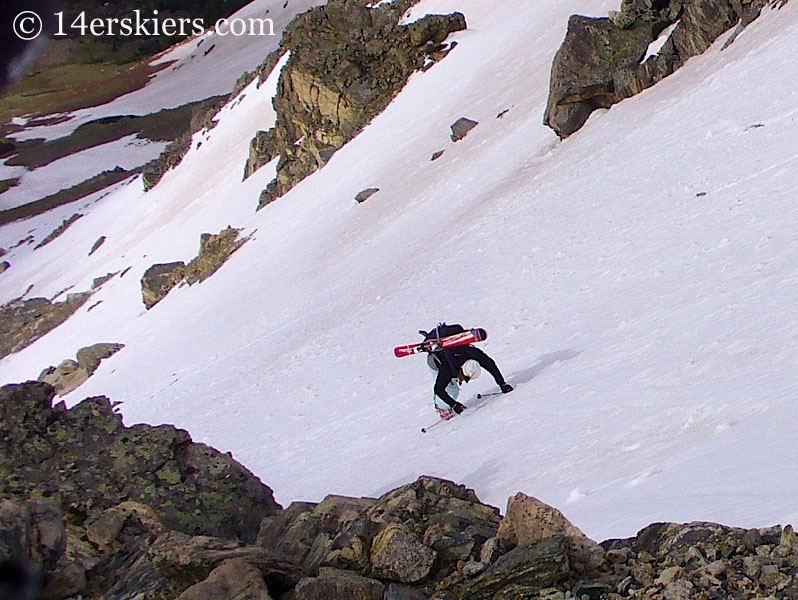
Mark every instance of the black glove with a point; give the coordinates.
(506, 388)
(458, 408)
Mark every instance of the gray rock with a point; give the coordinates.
(599, 62)
(4, 266)
(86, 458)
(366, 194)
(96, 246)
(461, 128)
(583, 71)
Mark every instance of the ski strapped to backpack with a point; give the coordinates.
(443, 336)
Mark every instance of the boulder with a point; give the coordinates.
(528, 521)
(305, 532)
(583, 71)
(334, 584)
(31, 532)
(66, 377)
(96, 246)
(399, 556)
(601, 61)
(262, 150)
(523, 572)
(234, 579)
(71, 374)
(159, 280)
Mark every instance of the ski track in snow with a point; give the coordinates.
(638, 283)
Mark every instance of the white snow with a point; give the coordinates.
(655, 47)
(638, 282)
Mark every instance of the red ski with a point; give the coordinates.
(469, 336)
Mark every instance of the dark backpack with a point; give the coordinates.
(442, 330)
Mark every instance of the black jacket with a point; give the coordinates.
(449, 362)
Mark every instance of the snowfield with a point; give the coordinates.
(638, 282)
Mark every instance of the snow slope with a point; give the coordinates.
(638, 283)
(201, 67)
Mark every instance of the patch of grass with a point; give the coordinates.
(67, 87)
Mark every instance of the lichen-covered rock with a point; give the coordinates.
(262, 150)
(523, 572)
(89, 357)
(214, 252)
(159, 280)
(31, 531)
(88, 461)
(22, 322)
(331, 532)
(399, 556)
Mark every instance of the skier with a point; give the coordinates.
(453, 367)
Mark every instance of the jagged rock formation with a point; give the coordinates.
(95, 510)
(214, 252)
(601, 60)
(71, 374)
(160, 279)
(22, 322)
(348, 61)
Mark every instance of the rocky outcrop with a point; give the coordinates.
(604, 60)
(71, 374)
(347, 61)
(160, 279)
(214, 252)
(22, 322)
(92, 509)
